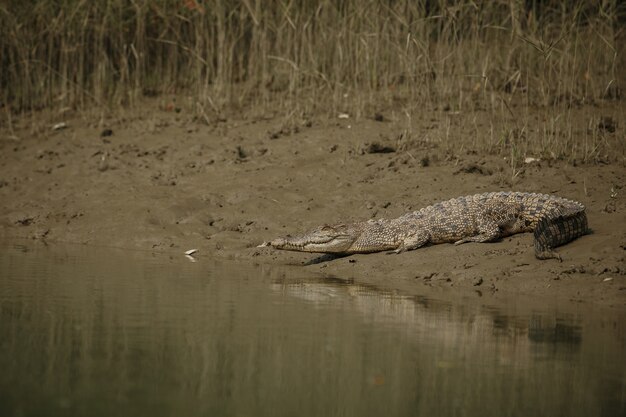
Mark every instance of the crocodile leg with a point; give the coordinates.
(488, 232)
(495, 220)
(414, 241)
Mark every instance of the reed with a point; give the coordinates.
(353, 56)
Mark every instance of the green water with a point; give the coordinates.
(95, 332)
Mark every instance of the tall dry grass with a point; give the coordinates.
(351, 53)
(353, 56)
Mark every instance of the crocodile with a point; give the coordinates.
(485, 217)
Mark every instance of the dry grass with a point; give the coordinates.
(355, 56)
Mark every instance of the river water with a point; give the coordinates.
(100, 332)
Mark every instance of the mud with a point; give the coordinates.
(158, 180)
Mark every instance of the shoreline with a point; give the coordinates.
(163, 183)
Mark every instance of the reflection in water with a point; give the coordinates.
(110, 333)
(418, 314)
(559, 332)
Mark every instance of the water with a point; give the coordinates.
(94, 332)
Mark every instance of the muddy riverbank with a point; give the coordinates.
(160, 181)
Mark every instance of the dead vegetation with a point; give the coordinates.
(356, 57)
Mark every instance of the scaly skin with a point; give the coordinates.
(485, 217)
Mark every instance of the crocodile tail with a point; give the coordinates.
(551, 232)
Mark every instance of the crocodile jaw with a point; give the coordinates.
(325, 239)
(301, 244)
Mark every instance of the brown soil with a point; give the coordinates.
(164, 183)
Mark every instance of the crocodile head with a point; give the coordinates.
(324, 239)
